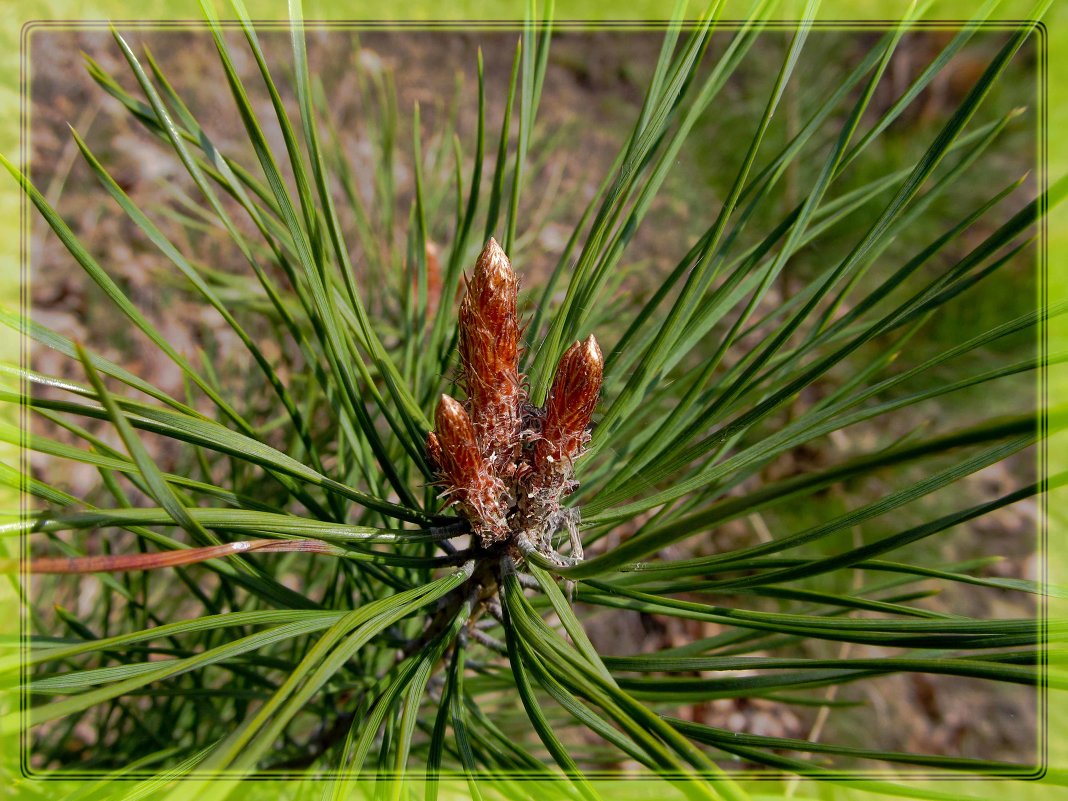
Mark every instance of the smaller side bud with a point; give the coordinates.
(465, 473)
(573, 397)
(564, 433)
(458, 454)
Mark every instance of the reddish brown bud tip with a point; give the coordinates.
(455, 433)
(593, 357)
(572, 399)
(577, 383)
(491, 299)
(493, 265)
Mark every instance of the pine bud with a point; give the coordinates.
(569, 408)
(465, 472)
(489, 356)
(456, 438)
(507, 464)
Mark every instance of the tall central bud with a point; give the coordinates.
(489, 358)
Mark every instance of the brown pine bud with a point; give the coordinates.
(489, 356)
(465, 471)
(569, 408)
(458, 452)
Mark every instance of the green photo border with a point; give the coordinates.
(1051, 782)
